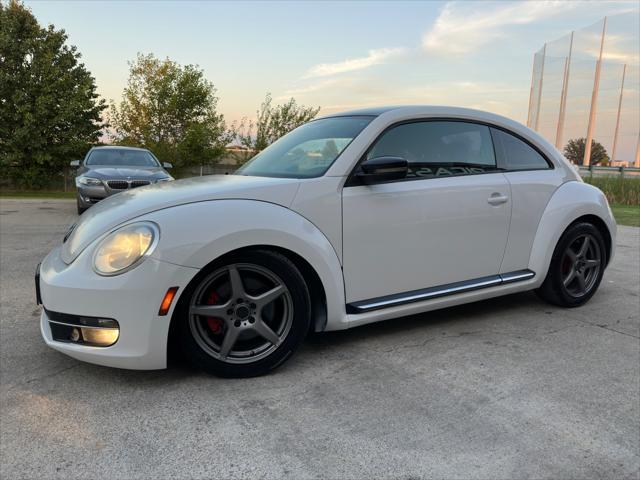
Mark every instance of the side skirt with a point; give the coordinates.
(439, 291)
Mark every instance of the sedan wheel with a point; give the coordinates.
(576, 267)
(245, 317)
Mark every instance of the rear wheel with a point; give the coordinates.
(245, 316)
(576, 267)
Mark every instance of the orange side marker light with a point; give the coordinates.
(167, 300)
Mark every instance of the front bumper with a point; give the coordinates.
(133, 299)
(91, 194)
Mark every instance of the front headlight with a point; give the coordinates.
(165, 179)
(125, 248)
(89, 181)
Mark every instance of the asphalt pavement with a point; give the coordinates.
(501, 389)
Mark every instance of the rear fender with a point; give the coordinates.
(570, 201)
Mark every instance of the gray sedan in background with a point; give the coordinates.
(108, 170)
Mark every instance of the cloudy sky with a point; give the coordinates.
(337, 55)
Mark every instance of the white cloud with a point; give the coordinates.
(316, 87)
(374, 57)
(464, 27)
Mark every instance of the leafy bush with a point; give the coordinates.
(574, 151)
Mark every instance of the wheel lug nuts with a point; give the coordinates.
(252, 320)
(230, 312)
(237, 323)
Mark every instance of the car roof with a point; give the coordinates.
(371, 111)
(399, 110)
(118, 147)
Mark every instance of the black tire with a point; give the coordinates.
(554, 290)
(299, 319)
(81, 209)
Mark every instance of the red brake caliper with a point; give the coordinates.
(214, 323)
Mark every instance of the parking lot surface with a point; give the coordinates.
(506, 388)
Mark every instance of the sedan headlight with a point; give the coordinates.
(165, 179)
(125, 248)
(89, 181)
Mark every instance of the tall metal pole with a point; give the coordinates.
(533, 79)
(615, 132)
(594, 100)
(563, 96)
(544, 54)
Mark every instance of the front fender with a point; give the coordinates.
(195, 234)
(569, 202)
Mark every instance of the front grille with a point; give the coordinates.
(124, 184)
(118, 184)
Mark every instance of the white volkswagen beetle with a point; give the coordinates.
(350, 219)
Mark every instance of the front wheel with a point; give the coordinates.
(576, 267)
(245, 316)
(81, 209)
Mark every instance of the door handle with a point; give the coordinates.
(497, 199)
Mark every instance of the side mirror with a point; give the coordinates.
(167, 165)
(75, 163)
(383, 169)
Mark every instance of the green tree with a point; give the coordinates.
(172, 110)
(272, 122)
(49, 110)
(574, 151)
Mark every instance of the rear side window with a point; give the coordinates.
(514, 154)
(439, 148)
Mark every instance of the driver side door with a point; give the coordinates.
(446, 222)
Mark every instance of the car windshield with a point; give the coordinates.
(122, 158)
(308, 151)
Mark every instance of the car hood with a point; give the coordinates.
(124, 173)
(129, 204)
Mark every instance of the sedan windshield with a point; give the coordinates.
(308, 151)
(122, 158)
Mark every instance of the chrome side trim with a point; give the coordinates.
(440, 291)
(517, 276)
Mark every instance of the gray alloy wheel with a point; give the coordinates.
(241, 313)
(576, 266)
(581, 264)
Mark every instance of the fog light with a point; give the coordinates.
(83, 330)
(101, 337)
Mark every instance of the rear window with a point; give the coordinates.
(514, 154)
(122, 158)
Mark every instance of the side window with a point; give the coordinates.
(514, 154)
(439, 148)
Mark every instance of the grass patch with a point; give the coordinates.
(36, 194)
(627, 214)
(619, 190)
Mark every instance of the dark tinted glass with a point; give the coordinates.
(122, 158)
(308, 151)
(435, 149)
(516, 154)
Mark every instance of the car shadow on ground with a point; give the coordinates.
(317, 345)
(424, 321)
